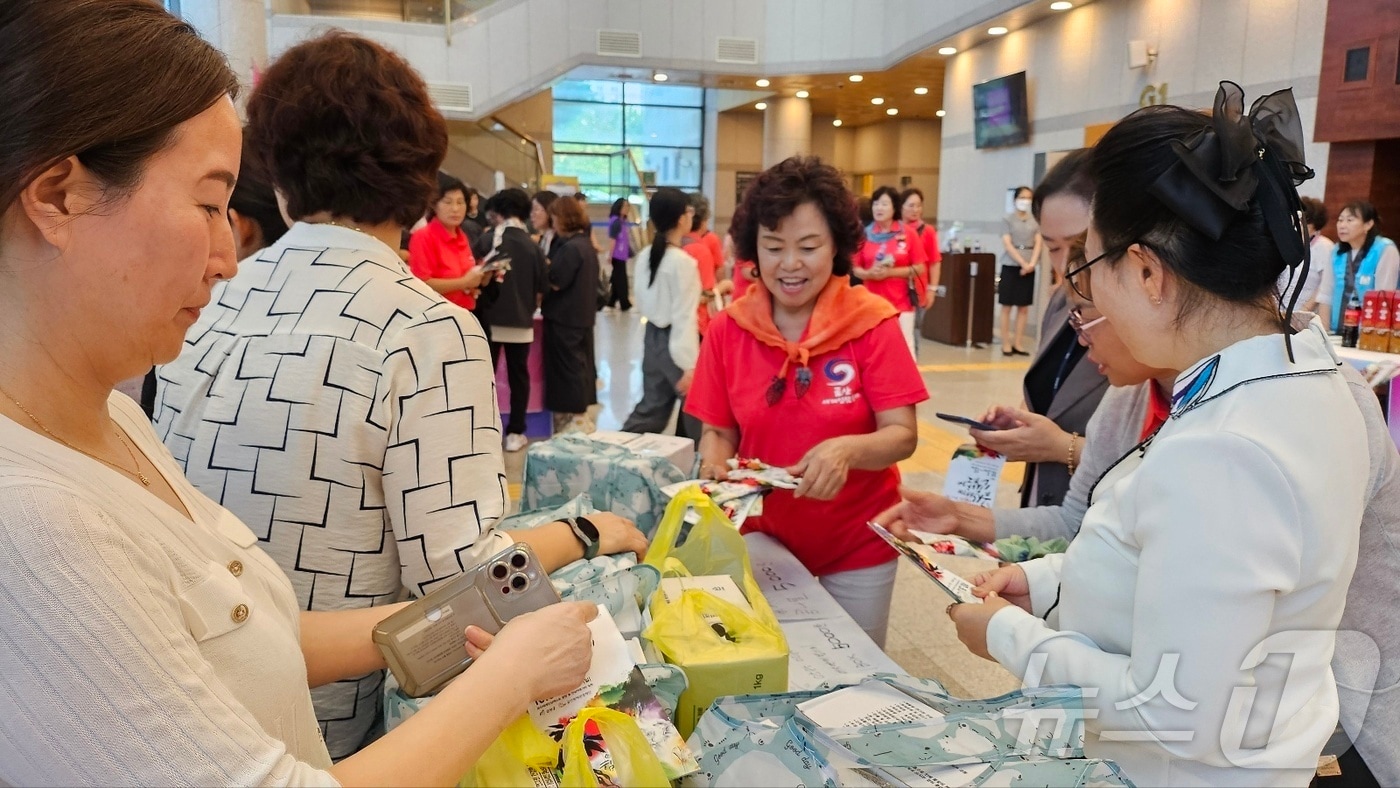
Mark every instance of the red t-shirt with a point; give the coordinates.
(901, 250)
(716, 247)
(707, 264)
(849, 385)
(434, 252)
(742, 282)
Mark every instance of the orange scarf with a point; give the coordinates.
(842, 313)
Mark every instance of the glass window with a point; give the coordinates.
(587, 167)
(679, 167)
(1358, 64)
(664, 95)
(663, 126)
(589, 90)
(580, 122)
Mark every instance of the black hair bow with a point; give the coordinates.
(1240, 159)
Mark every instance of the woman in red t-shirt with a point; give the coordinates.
(811, 374)
(911, 212)
(890, 259)
(440, 254)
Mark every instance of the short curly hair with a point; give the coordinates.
(342, 125)
(777, 192)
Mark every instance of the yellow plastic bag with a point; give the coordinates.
(521, 755)
(630, 761)
(723, 649)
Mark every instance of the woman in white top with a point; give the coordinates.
(668, 295)
(147, 639)
(1198, 604)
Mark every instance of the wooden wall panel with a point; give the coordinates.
(1365, 171)
(1352, 111)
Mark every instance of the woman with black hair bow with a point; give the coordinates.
(1201, 598)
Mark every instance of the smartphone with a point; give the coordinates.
(965, 421)
(425, 643)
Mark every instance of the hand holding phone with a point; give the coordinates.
(965, 421)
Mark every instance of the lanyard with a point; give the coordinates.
(1064, 368)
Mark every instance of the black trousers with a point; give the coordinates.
(518, 373)
(621, 292)
(570, 371)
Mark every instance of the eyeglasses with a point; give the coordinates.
(1076, 321)
(1079, 279)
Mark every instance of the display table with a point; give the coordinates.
(824, 642)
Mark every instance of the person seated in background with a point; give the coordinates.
(838, 406)
(337, 404)
(1363, 260)
(440, 252)
(891, 259)
(148, 640)
(1062, 388)
(570, 311)
(1218, 556)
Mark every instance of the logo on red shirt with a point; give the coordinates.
(840, 374)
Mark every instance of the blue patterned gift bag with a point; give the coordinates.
(617, 479)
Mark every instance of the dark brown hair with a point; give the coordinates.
(345, 126)
(777, 192)
(1314, 212)
(1070, 175)
(569, 217)
(545, 198)
(107, 81)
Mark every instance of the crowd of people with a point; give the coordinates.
(190, 596)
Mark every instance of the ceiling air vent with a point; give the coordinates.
(736, 50)
(451, 97)
(620, 43)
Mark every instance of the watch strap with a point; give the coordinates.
(586, 533)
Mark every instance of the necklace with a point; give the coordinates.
(139, 475)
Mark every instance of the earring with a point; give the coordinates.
(1157, 300)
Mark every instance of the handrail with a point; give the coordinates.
(539, 149)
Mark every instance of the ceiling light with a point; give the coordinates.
(941, 113)
(947, 51)
(996, 31)
(763, 83)
(856, 77)
(803, 94)
(836, 122)
(761, 105)
(1062, 5)
(659, 77)
(891, 111)
(877, 101)
(921, 91)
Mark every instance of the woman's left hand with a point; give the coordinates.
(972, 620)
(1027, 437)
(823, 470)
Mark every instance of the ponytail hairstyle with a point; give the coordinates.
(667, 207)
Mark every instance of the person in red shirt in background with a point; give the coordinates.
(440, 254)
(697, 244)
(742, 273)
(891, 259)
(811, 374)
(911, 209)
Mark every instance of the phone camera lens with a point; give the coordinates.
(519, 560)
(519, 582)
(499, 571)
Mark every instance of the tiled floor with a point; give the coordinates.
(960, 380)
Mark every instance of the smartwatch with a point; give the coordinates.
(586, 533)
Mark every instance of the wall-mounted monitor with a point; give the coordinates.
(999, 112)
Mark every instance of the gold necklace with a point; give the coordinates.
(144, 480)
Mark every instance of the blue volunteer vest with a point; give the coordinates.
(1365, 276)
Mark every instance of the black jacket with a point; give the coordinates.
(572, 297)
(514, 306)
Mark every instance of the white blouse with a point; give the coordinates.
(138, 647)
(1199, 603)
(671, 301)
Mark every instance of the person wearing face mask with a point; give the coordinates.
(1016, 286)
(1062, 388)
(812, 374)
(1363, 260)
(891, 260)
(1215, 559)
